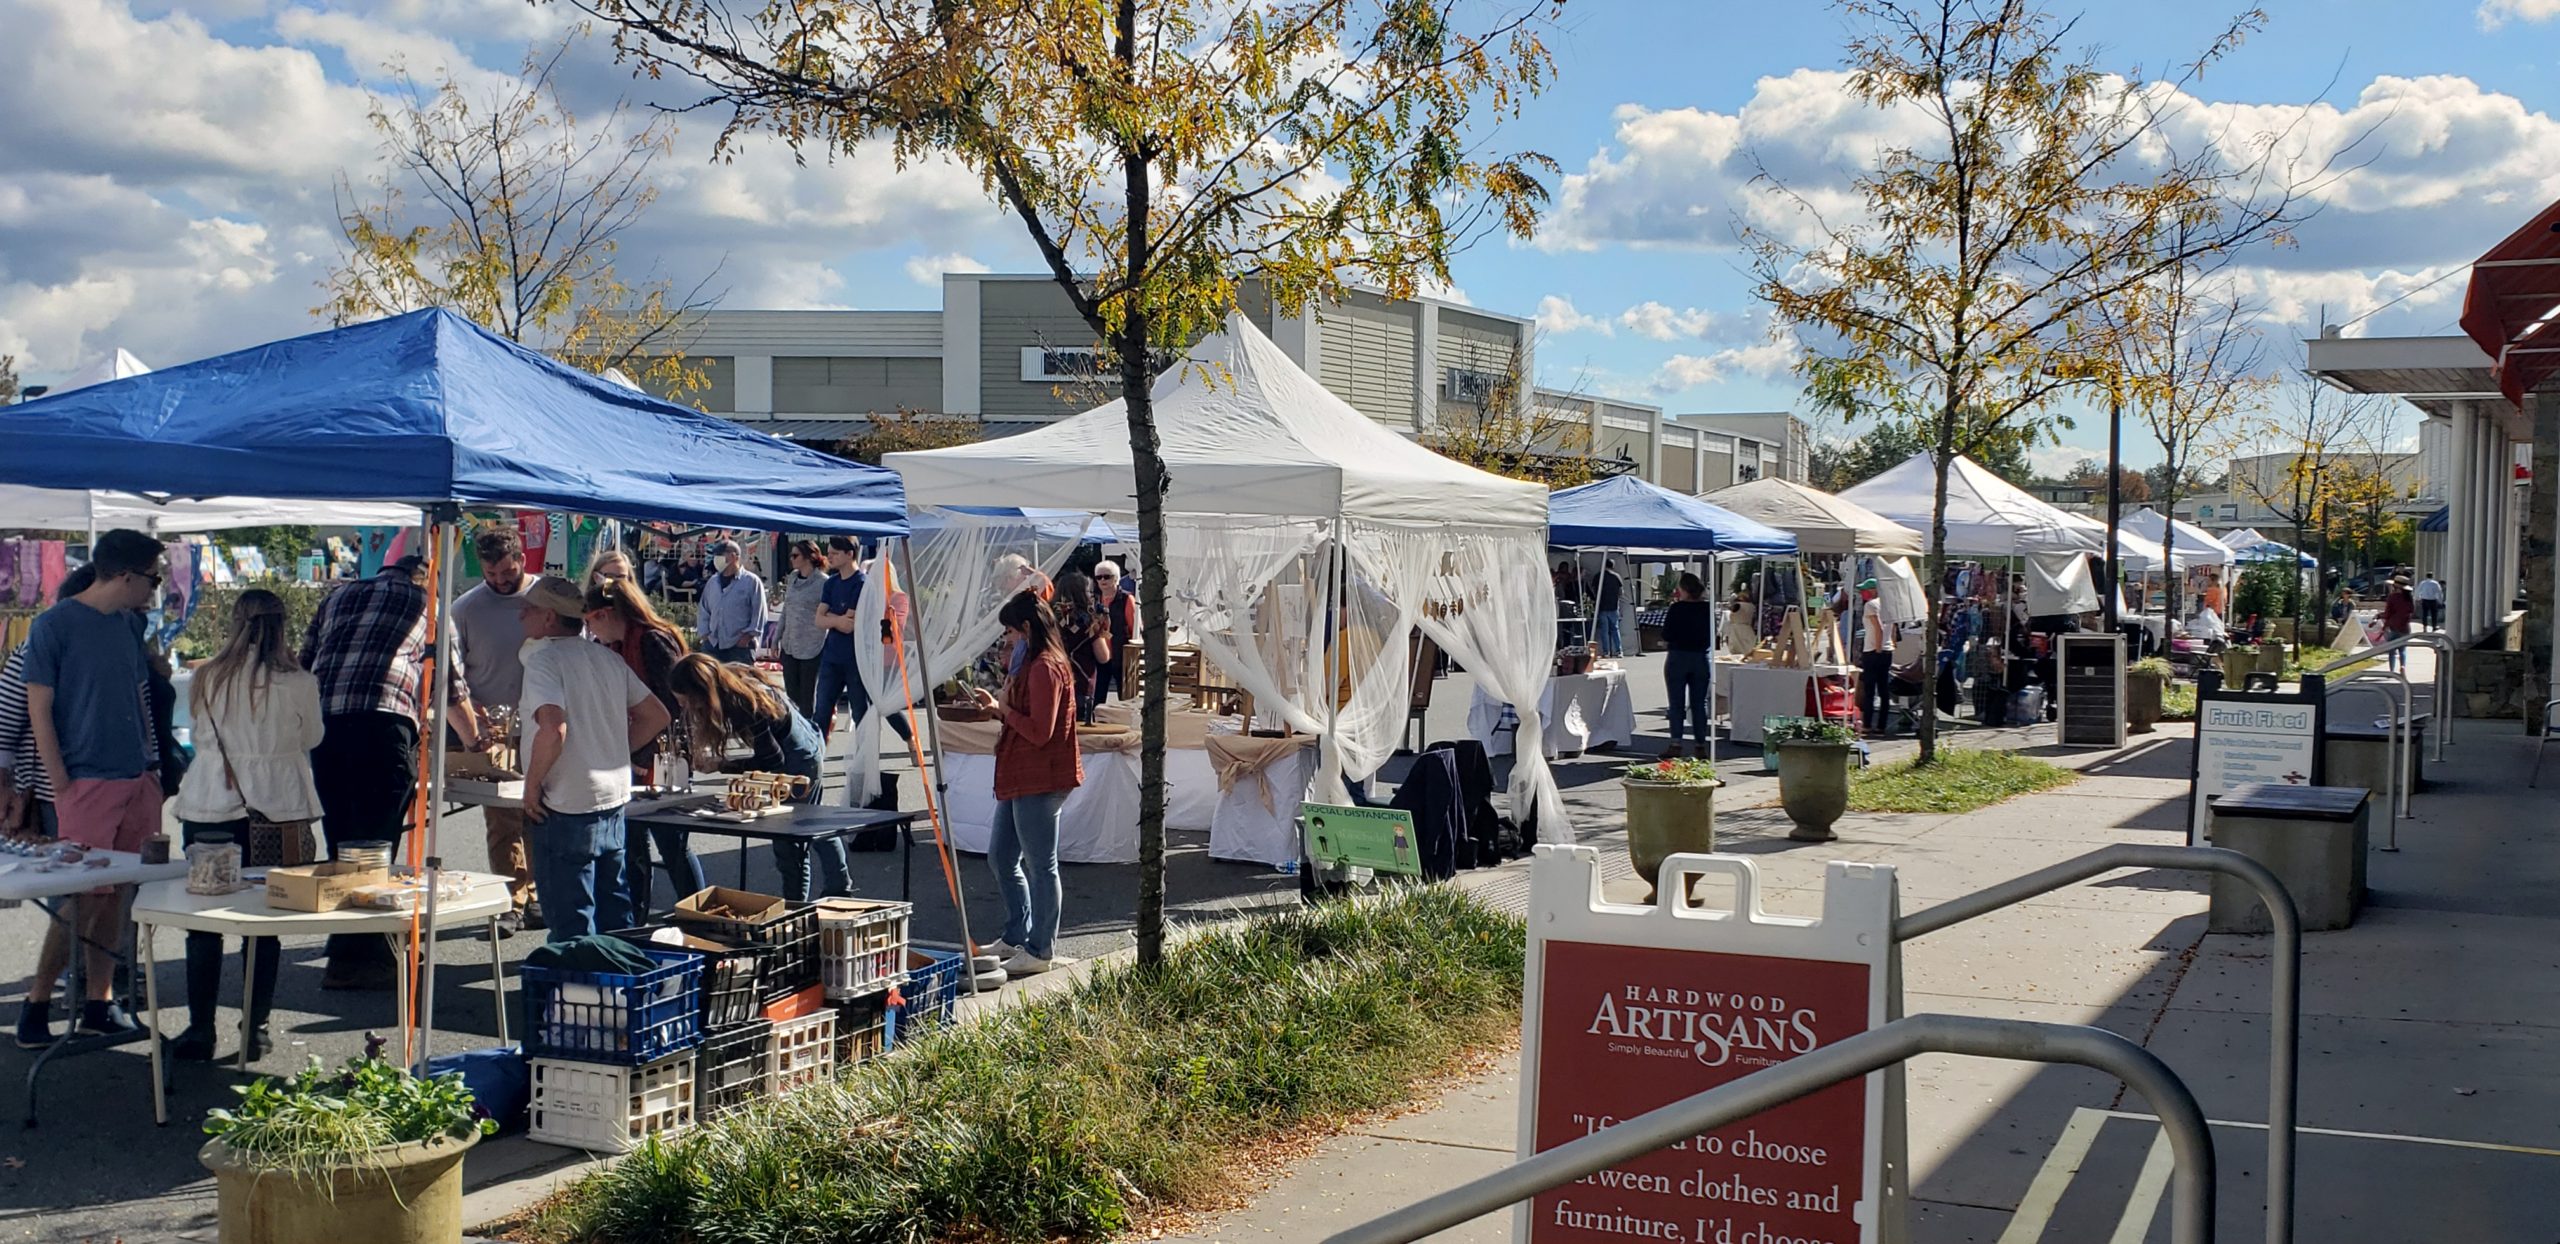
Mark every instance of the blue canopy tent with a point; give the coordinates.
(1628, 513)
(432, 409)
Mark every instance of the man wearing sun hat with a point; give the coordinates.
(583, 712)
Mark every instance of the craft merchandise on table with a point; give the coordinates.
(463, 898)
(1099, 824)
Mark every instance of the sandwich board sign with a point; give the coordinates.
(2246, 738)
(1341, 836)
(1631, 1007)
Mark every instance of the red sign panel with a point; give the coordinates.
(1627, 1029)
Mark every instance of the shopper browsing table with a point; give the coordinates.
(584, 713)
(487, 620)
(1689, 636)
(1120, 609)
(257, 717)
(620, 618)
(804, 638)
(727, 704)
(1037, 765)
(86, 673)
(731, 615)
(368, 647)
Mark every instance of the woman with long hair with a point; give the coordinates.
(724, 706)
(609, 564)
(619, 616)
(257, 717)
(1037, 765)
(803, 639)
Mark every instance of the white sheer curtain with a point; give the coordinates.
(1482, 594)
(1250, 593)
(966, 567)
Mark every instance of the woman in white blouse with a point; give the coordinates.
(257, 717)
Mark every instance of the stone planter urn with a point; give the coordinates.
(1667, 818)
(2271, 659)
(2143, 692)
(401, 1194)
(1813, 786)
(2236, 664)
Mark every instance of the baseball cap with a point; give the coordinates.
(558, 595)
(1866, 585)
(724, 548)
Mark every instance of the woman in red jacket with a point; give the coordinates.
(1037, 764)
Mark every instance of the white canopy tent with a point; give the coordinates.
(1820, 522)
(2194, 546)
(1305, 545)
(117, 365)
(57, 509)
(2139, 554)
(1986, 515)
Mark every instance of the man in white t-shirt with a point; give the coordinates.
(584, 712)
(2430, 593)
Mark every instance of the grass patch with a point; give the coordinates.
(1063, 1117)
(2178, 702)
(1961, 780)
(2311, 657)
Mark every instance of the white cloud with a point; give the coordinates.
(928, 269)
(1764, 360)
(2056, 461)
(2496, 13)
(1558, 315)
(1661, 323)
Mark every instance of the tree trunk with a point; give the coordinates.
(1146, 459)
(1936, 570)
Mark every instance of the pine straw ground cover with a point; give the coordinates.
(1064, 1117)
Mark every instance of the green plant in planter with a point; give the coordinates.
(316, 1120)
(2146, 686)
(1672, 772)
(2152, 667)
(1810, 730)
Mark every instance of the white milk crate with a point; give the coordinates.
(607, 1109)
(804, 1053)
(862, 945)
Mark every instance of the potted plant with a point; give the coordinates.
(1671, 810)
(365, 1152)
(1813, 775)
(2146, 684)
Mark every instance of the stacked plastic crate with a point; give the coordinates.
(794, 1047)
(862, 954)
(612, 1055)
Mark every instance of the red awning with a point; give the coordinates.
(2513, 306)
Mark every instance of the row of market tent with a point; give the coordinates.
(1288, 512)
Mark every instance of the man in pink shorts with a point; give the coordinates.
(87, 674)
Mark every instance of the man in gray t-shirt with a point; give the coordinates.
(487, 623)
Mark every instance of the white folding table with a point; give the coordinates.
(166, 904)
(20, 882)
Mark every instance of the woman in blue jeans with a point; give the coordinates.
(619, 616)
(1689, 635)
(726, 704)
(1037, 766)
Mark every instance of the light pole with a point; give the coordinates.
(2115, 505)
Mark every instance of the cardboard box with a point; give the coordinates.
(319, 887)
(721, 905)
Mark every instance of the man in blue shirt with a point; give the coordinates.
(839, 677)
(731, 614)
(85, 671)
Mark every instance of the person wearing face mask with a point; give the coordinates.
(485, 620)
(732, 612)
(1120, 612)
(86, 670)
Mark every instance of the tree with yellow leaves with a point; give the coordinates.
(1961, 293)
(1157, 152)
(520, 212)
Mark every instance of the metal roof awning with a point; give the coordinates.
(2512, 308)
(2430, 373)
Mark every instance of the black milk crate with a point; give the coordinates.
(866, 1028)
(789, 942)
(732, 1068)
(732, 975)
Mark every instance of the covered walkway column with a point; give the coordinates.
(2458, 500)
(2544, 413)
(2508, 529)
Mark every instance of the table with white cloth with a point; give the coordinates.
(1261, 782)
(1190, 783)
(1749, 693)
(53, 889)
(1578, 712)
(244, 913)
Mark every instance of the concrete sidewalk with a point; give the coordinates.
(2429, 1028)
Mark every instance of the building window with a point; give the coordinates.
(1056, 364)
(1468, 385)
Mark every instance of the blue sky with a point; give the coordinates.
(166, 180)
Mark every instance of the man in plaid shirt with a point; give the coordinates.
(368, 646)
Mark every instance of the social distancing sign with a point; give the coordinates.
(1633, 1007)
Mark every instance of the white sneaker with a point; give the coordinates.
(1024, 963)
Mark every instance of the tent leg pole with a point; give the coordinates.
(442, 531)
(941, 785)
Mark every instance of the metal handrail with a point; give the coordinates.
(2190, 1144)
(2396, 743)
(2284, 1003)
(2439, 690)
